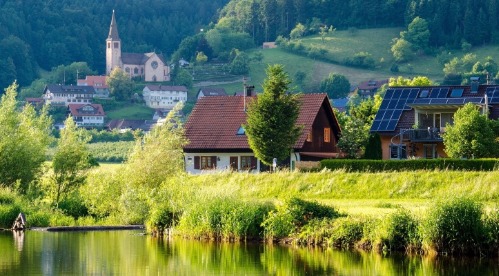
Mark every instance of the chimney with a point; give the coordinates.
(475, 82)
(249, 90)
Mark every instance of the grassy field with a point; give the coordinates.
(344, 44)
(136, 111)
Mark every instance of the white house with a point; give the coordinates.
(87, 115)
(163, 96)
(57, 94)
(217, 140)
(99, 83)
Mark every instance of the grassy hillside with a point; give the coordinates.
(344, 44)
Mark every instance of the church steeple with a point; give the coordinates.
(113, 30)
(113, 47)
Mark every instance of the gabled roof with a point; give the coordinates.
(371, 84)
(70, 89)
(215, 121)
(123, 124)
(96, 81)
(79, 110)
(160, 88)
(139, 58)
(212, 91)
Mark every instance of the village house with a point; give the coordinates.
(217, 140)
(63, 95)
(150, 67)
(411, 120)
(87, 115)
(210, 91)
(99, 83)
(370, 87)
(164, 96)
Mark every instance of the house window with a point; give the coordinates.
(327, 135)
(430, 151)
(205, 162)
(136, 70)
(248, 163)
(109, 45)
(309, 136)
(241, 131)
(116, 45)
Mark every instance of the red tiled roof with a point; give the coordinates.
(77, 110)
(96, 81)
(214, 121)
(371, 84)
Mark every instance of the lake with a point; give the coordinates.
(130, 252)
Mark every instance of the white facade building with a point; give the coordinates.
(163, 96)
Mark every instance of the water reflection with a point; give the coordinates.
(127, 253)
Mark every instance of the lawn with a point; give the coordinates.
(135, 111)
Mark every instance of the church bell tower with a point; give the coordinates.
(113, 47)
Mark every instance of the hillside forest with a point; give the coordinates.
(36, 36)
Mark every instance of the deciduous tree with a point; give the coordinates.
(271, 124)
(471, 135)
(336, 86)
(120, 85)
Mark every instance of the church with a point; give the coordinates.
(150, 67)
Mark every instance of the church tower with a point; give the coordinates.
(113, 47)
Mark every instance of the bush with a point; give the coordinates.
(491, 223)
(394, 68)
(361, 59)
(346, 232)
(8, 214)
(73, 206)
(160, 219)
(398, 231)
(7, 196)
(351, 165)
(454, 226)
(316, 232)
(294, 214)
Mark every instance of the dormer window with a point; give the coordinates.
(424, 93)
(241, 131)
(456, 93)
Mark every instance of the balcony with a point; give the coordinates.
(423, 135)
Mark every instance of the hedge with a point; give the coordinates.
(362, 165)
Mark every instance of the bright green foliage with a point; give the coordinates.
(336, 86)
(159, 154)
(398, 231)
(297, 31)
(271, 124)
(240, 64)
(416, 81)
(346, 232)
(24, 138)
(471, 135)
(184, 78)
(201, 58)
(70, 162)
(417, 33)
(402, 50)
(120, 85)
(454, 226)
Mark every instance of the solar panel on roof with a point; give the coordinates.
(456, 92)
(493, 95)
(456, 101)
(424, 93)
(392, 124)
(443, 93)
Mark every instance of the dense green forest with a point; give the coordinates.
(38, 35)
(43, 34)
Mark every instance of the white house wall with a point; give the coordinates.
(163, 99)
(223, 161)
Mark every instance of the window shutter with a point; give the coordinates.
(197, 162)
(214, 161)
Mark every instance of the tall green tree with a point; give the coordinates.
(24, 139)
(120, 85)
(402, 50)
(271, 123)
(471, 135)
(417, 33)
(71, 161)
(336, 86)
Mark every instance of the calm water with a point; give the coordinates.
(130, 253)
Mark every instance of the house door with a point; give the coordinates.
(430, 151)
(233, 163)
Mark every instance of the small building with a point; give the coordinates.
(99, 83)
(210, 91)
(123, 125)
(269, 45)
(370, 87)
(87, 115)
(217, 140)
(63, 95)
(35, 102)
(164, 96)
(411, 120)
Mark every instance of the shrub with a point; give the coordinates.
(160, 219)
(491, 223)
(398, 231)
(454, 226)
(38, 219)
(7, 196)
(73, 206)
(8, 214)
(346, 232)
(315, 232)
(360, 59)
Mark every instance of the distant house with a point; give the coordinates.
(210, 91)
(182, 62)
(87, 115)
(164, 96)
(99, 83)
(123, 125)
(269, 45)
(369, 88)
(411, 120)
(35, 102)
(64, 95)
(217, 140)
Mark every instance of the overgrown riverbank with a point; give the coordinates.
(380, 211)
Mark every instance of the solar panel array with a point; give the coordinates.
(394, 103)
(493, 95)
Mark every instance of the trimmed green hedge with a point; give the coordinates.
(362, 165)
